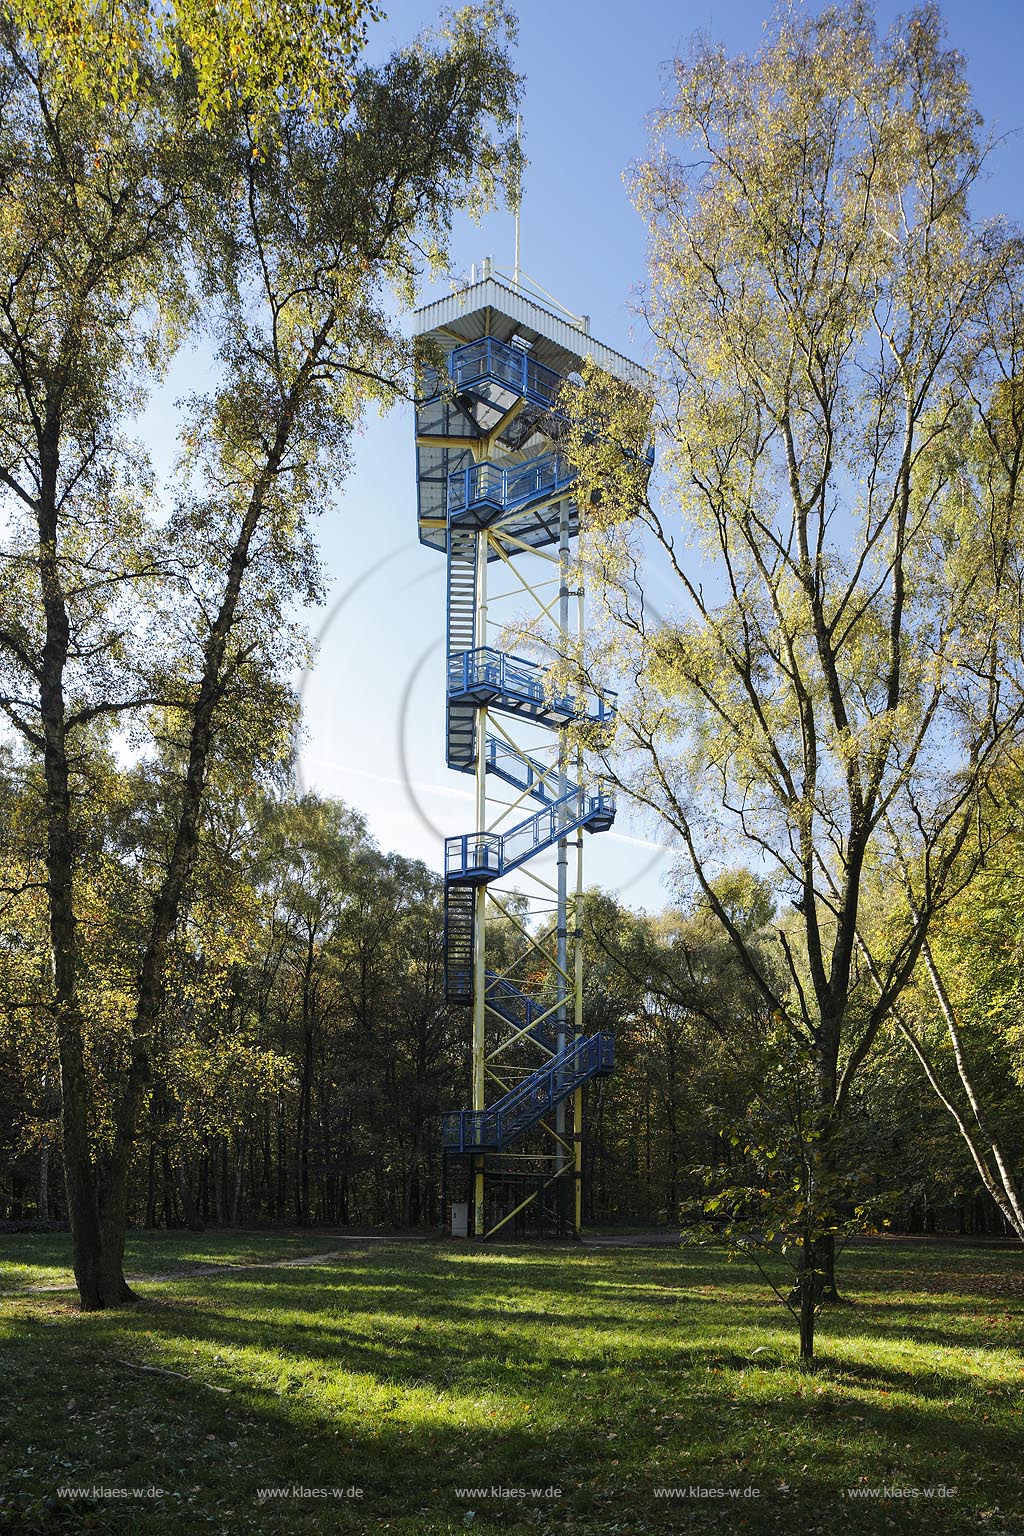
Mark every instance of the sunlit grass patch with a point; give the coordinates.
(44, 1258)
(411, 1372)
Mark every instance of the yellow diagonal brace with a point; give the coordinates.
(505, 1087)
(527, 586)
(511, 805)
(523, 1204)
(513, 1212)
(530, 938)
(501, 597)
(539, 879)
(510, 415)
(520, 1033)
(547, 771)
(507, 805)
(498, 532)
(517, 1036)
(542, 1125)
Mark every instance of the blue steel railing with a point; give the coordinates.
(468, 1130)
(520, 770)
(503, 487)
(483, 856)
(476, 854)
(504, 998)
(490, 359)
(521, 1010)
(500, 675)
(545, 827)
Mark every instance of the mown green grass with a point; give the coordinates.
(410, 1371)
(31, 1259)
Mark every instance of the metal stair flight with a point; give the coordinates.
(461, 636)
(492, 1129)
(478, 857)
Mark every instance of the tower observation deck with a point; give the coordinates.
(495, 493)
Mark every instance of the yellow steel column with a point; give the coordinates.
(562, 919)
(479, 925)
(577, 1098)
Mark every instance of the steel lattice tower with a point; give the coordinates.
(494, 492)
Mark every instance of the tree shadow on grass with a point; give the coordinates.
(434, 1346)
(410, 1405)
(426, 1423)
(409, 1458)
(341, 1293)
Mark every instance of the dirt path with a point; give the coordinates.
(304, 1261)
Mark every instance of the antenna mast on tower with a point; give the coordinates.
(519, 201)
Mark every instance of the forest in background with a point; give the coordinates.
(306, 1051)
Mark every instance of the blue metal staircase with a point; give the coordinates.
(524, 1013)
(517, 686)
(460, 736)
(481, 493)
(477, 857)
(523, 772)
(459, 931)
(492, 1129)
(489, 469)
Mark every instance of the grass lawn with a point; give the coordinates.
(27, 1260)
(589, 1378)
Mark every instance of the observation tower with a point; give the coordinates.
(495, 497)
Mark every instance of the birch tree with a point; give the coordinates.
(172, 630)
(842, 669)
(295, 53)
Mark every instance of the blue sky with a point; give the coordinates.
(373, 704)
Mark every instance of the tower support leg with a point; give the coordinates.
(562, 919)
(480, 927)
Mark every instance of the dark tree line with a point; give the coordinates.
(305, 1051)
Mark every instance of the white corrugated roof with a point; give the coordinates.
(471, 312)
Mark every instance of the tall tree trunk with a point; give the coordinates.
(113, 1205)
(825, 1152)
(95, 1286)
(306, 1085)
(302, 1135)
(1002, 1186)
(151, 1184)
(282, 1165)
(170, 1199)
(218, 1186)
(808, 1289)
(43, 1197)
(236, 1201)
(189, 1206)
(267, 1177)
